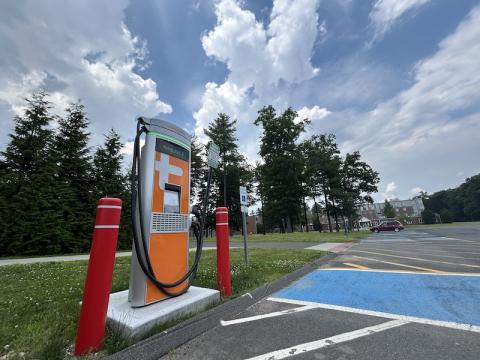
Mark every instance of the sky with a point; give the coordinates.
(397, 80)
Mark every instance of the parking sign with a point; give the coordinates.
(243, 196)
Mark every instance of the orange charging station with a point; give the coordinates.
(161, 211)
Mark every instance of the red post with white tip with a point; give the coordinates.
(223, 252)
(93, 313)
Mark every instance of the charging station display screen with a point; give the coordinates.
(171, 202)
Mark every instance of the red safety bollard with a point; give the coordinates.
(93, 313)
(223, 252)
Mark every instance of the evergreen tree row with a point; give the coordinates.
(50, 183)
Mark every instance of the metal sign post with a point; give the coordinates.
(244, 203)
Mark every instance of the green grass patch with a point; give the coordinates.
(39, 303)
(311, 236)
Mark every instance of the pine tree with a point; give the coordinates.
(31, 200)
(111, 182)
(388, 210)
(233, 169)
(107, 167)
(75, 178)
(282, 164)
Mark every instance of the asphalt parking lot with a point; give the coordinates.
(408, 295)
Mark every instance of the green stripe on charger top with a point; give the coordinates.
(169, 138)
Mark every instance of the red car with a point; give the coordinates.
(391, 225)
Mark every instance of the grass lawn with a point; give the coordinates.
(39, 303)
(311, 236)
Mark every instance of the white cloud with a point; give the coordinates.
(314, 113)
(385, 13)
(227, 98)
(416, 191)
(389, 192)
(129, 147)
(444, 83)
(264, 62)
(76, 49)
(431, 128)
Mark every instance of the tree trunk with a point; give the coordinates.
(318, 217)
(328, 213)
(305, 212)
(263, 213)
(337, 228)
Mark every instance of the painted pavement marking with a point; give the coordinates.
(429, 245)
(357, 266)
(436, 250)
(416, 258)
(404, 271)
(412, 319)
(451, 299)
(411, 252)
(332, 247)
(266, 316)
(401, 265)
(333, 340)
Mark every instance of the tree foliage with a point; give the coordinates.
(282, 166)
(388, 210)
(344, 183)
(49, 183)
(31, 202)
(232, 172)
(428, 216)
(462, 203)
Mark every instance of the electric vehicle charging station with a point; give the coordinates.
(160, 273)
(163, 213)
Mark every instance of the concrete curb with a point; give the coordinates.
(160, 344)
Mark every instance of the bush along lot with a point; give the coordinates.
(40, 303)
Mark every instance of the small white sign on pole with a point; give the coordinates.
(243, 196)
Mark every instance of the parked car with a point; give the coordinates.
(387, 226)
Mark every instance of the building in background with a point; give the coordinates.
(251, 224)
(407, 211)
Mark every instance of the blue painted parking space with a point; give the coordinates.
(454, 298)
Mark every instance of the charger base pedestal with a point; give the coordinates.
(132, 322)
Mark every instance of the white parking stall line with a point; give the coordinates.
(410, 252)
(386, 241)
(413, 319)
(405, 272)
(417, 258)
(333, 340)
(265, 316)
(429, 249)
